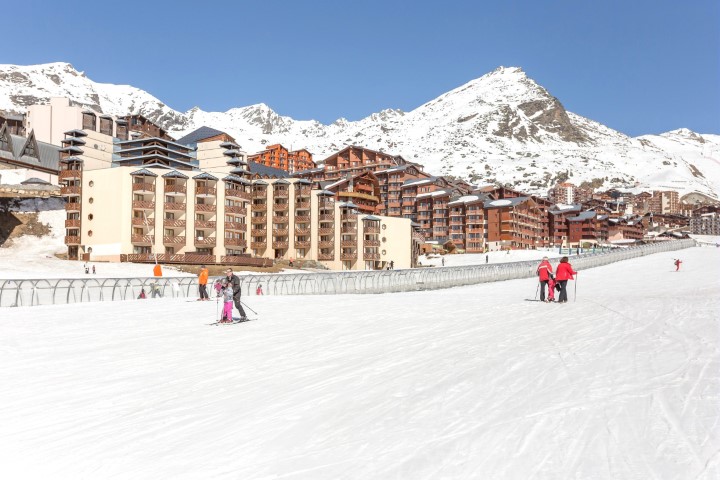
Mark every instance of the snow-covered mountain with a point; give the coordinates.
(502, 127)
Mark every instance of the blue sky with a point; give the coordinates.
(638, 66)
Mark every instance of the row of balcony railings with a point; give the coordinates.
(29, 292)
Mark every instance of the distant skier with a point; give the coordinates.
(202, 283)
(544, 272)
(93, 269)
(443, 261)
(258, 290)
(564, 273)
(677, 264)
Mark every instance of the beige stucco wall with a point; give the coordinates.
(50, 122)
(111, 210)
(97, 151)
(211, 159)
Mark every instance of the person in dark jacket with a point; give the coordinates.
(544, 272)
(564, 273)
(234, 282)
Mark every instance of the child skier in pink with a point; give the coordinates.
(551, 288)
(227, 295)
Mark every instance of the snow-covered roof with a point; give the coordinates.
(466, 199)
(436, 193)
(505, 202)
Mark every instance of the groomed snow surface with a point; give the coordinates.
(463, 383)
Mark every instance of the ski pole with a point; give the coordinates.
(537, 289)
(244, 305)
(217, 308)
(576, 279)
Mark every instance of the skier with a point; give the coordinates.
(551, 288)
(234, 282)
(258, 290)
(443, 261)
(93, 269)
(677, 264)
(544, 272)
(227, 294)
(564, 273)
(142, 294)
(202, 283)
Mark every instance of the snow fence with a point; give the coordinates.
(14, 293)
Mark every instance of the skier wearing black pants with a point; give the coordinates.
(235, 282)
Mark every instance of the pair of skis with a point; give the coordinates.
(234, 322)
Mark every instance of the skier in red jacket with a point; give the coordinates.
(564, 273)
(544, 272)
(677, 264)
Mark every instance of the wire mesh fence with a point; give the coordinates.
(63, 291)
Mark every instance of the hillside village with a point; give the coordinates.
(134, 193)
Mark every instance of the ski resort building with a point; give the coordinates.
(277, 156)
(27, 157)
(159, 200)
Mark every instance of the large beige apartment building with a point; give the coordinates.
(150, 198)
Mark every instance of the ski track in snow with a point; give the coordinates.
(462, 383)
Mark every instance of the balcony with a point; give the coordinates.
(326, 244)
(234, 226)
(143, 205)
(235, 209)
(258, 245)
(72, 240)
(175, 189)
(371, 229)
(280, 232)
(280, 219)
(371, 243)
(302, 243)
(173, 240)
(205, 224)
(68, 191)
(326, 256)
(281, 245)
(235, 193)
(258, 220)
(205, 191)
(348, 256)
(302, 231)
(196, 258)
(142, 239)
(348, 243)
(302, 191)
(302, 205)
(235, 242)
(348, 229)
(72, 223)
(371, 256)
(259, 207)
(326, 231)
(302, 219)
(143, 187)
(204, 207)
(69, 174)
(348, 218)
(281, 193)
(281, 207)
(176, 207)
(258, 232)
(142, 222)
(172, 223)
(205, 241)
(72, 207)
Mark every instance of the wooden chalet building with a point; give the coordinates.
(514, 223)
(277, 156)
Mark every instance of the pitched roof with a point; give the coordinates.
(197, 135)
(144, 171)
(505, 202)
(46, 156)
(264, 170)
(174, 174)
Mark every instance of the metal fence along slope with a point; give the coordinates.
(63, 291)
